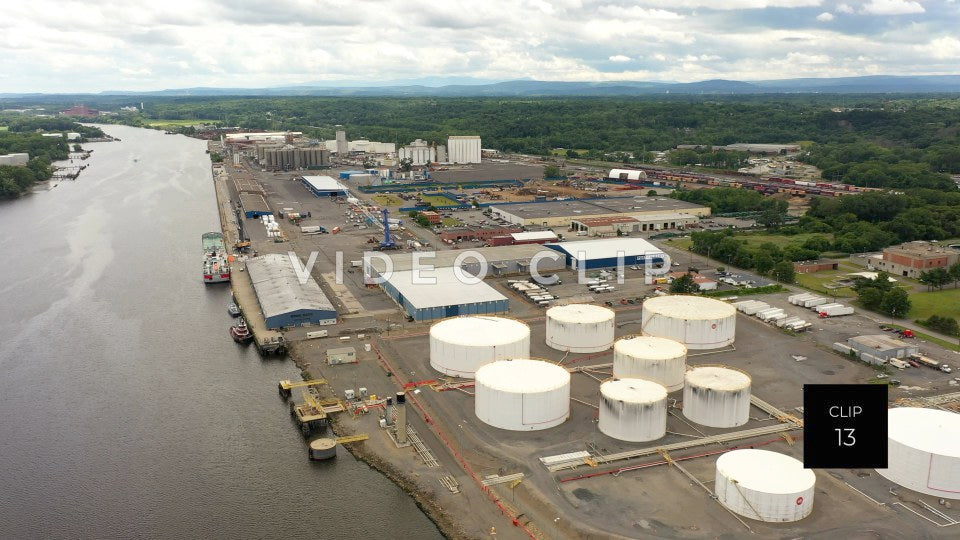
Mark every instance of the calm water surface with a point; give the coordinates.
(125, 408)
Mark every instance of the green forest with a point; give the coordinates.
(22, 136)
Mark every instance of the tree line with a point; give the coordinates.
(22, 137)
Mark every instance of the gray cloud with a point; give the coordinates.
(141, 45)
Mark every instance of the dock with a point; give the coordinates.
(267, 341)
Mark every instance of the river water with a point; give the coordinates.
(125, 409)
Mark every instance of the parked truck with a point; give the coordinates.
(834, 310)
(897, 363)
(930, 362)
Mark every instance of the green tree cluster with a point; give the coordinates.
(766, 259)
(882, 295)
(944, 325)
(684, 285)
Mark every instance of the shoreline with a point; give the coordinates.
(443, 520)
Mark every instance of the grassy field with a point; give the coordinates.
(776, 239)
(437, 200)
(386, 199)
(817, 282)
(4, 128)
(945, 303)
(451, 222)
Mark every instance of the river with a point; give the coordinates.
(125, 409)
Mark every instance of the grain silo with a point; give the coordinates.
(716, 396)
(923, 451)
(459, 346)
(522, 394)
(633, 410)
(580, 328)
(764, 485)
(655, 359)
(697, 322)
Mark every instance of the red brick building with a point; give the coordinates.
(809, 267)
(80, 111)
(433, 217)
(913, 258)
(453, 235)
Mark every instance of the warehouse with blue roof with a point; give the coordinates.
(607, 253)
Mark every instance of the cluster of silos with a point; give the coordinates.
(923, 451)
(716, 396)
(522, 394)
(765, 486)
(695, 321)
(460, 346)
(580, 328)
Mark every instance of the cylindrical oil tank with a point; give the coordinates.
(522, 394)
(580, 328)
(655, 359)
(716, 396)
(697, 322)
(923, 451)
(764, 485)
(459, 346)
(633, 410)
(323, 448)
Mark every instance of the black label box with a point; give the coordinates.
(845, 426)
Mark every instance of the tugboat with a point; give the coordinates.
(240, 332)
(233, 309)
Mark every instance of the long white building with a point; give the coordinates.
(463, 149)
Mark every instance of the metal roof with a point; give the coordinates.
(279, 289)
(445, 289)
(325, 183)
(446, 258)
(575, 208)
(534, 235)
(880, 342)
(607, 248)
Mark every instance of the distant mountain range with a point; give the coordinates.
(466, 87)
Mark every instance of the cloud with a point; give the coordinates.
(892, 7)
(75, 46)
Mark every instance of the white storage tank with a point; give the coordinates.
(522, 394)
(697, 322)
(764, 485)
(633, 410)
(580, 328)
(717, 396)
(656, 359)
(459, 346)
(923, 451)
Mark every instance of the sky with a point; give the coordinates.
(103, 45)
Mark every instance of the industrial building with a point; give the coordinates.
(502, 260)
(289, 157)
(458, 234)
(284, 300)
(608, 253)
(419, 152)
(882, 346)
(818, 265)
(361, 146)
(913, 258)
(612, 226)
(627, 174)
(463, 149)
(254, 205)
(80, 111)
(325, 186)
(15, 160)
(649, 210)
(446, 297)
(530, 237)
(275, 136)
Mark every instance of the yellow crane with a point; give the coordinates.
(287, 385)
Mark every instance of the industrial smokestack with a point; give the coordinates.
(401, 426)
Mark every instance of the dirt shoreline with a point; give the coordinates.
(444, 520)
